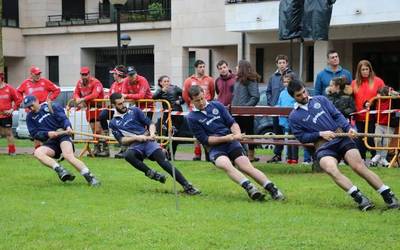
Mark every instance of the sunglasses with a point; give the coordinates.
(84, 74)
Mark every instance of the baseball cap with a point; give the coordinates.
(28, 101)
(85, 70)
(35, 70)
(131, 71)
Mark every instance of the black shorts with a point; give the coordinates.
(6, 122)
(54, 144)
(232, 154)
(336, 148)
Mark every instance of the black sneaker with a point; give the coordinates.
(92, 180)
(254, 194)
(391, 200)
(64, 175)
(154, 175)
(275, 193)
(190, 190)
(275, 159)
(120, 154)
(197, 158)
(364, 204)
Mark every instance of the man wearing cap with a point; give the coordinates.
(8, 96)
(136, 87)
(86, 91)
(52, 127)
(38, 86)
(119, 74)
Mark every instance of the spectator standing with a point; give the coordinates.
(333, 69)
(341, 95)
(9, 101)
(274, 88)
(207, 84)
(286, 100)
(87, 89)
(224, 84)
(119, 74)
(136, 87)
(365, 86)
(246, 93)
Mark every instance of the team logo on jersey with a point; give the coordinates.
(317, 105)
(46, 109)
(215, 111)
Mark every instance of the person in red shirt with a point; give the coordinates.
(42, 88)
(86, 91)
(207, 84)
(365, 87)
(8, 96)
(136, 87)
(119, 74)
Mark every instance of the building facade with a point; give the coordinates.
(60, 37)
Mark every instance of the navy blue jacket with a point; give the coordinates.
(322, 115)
(213, 121)
(133, 122)
(275, 87)
(41, 122)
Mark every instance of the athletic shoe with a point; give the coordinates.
(64, 175)
(391, 200)
(364, 204)
(253, 193)
(374, 161)
(92, 180)
(306, 163)
(154, 175)
(190, 190)
(275, 193)
(275, 159)
(384, 163)
(197, 158)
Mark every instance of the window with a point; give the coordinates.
(73, 9)
(192, 59)
(260, 63)
(53, 69)
(10, 13)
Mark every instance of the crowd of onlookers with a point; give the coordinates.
(238, 87)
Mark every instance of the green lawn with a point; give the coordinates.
(130, 211)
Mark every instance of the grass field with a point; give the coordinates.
(130, 211)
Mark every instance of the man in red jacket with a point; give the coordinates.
(207, 84)
(86, 91)
(8, 96)
(136, 87)
(38, 86)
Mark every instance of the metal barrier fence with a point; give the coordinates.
(159, 111)
(385, 111)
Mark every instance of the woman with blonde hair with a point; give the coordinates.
(365, 87)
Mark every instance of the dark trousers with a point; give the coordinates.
(278, 130)
(360, 143)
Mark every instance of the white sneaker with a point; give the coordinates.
(342, 163)
(384, 162)
(374, 161)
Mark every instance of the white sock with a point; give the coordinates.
(352, 189)
(56, 165)
(85, 170)
(383, 188)
(243, 181)
(266, 183)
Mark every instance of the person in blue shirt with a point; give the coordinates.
(49, 124)
(316, 120)
(216, 129)
(333, 69)
(133, 128)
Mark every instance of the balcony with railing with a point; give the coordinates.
(153, 13)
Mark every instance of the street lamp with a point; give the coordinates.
(125, 40)
(118, 4)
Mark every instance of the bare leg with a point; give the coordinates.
(44, 155)
(245, 165)
(68, 154)
(329, 165)
(353, 158)
(225, 164)
(9, 135)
